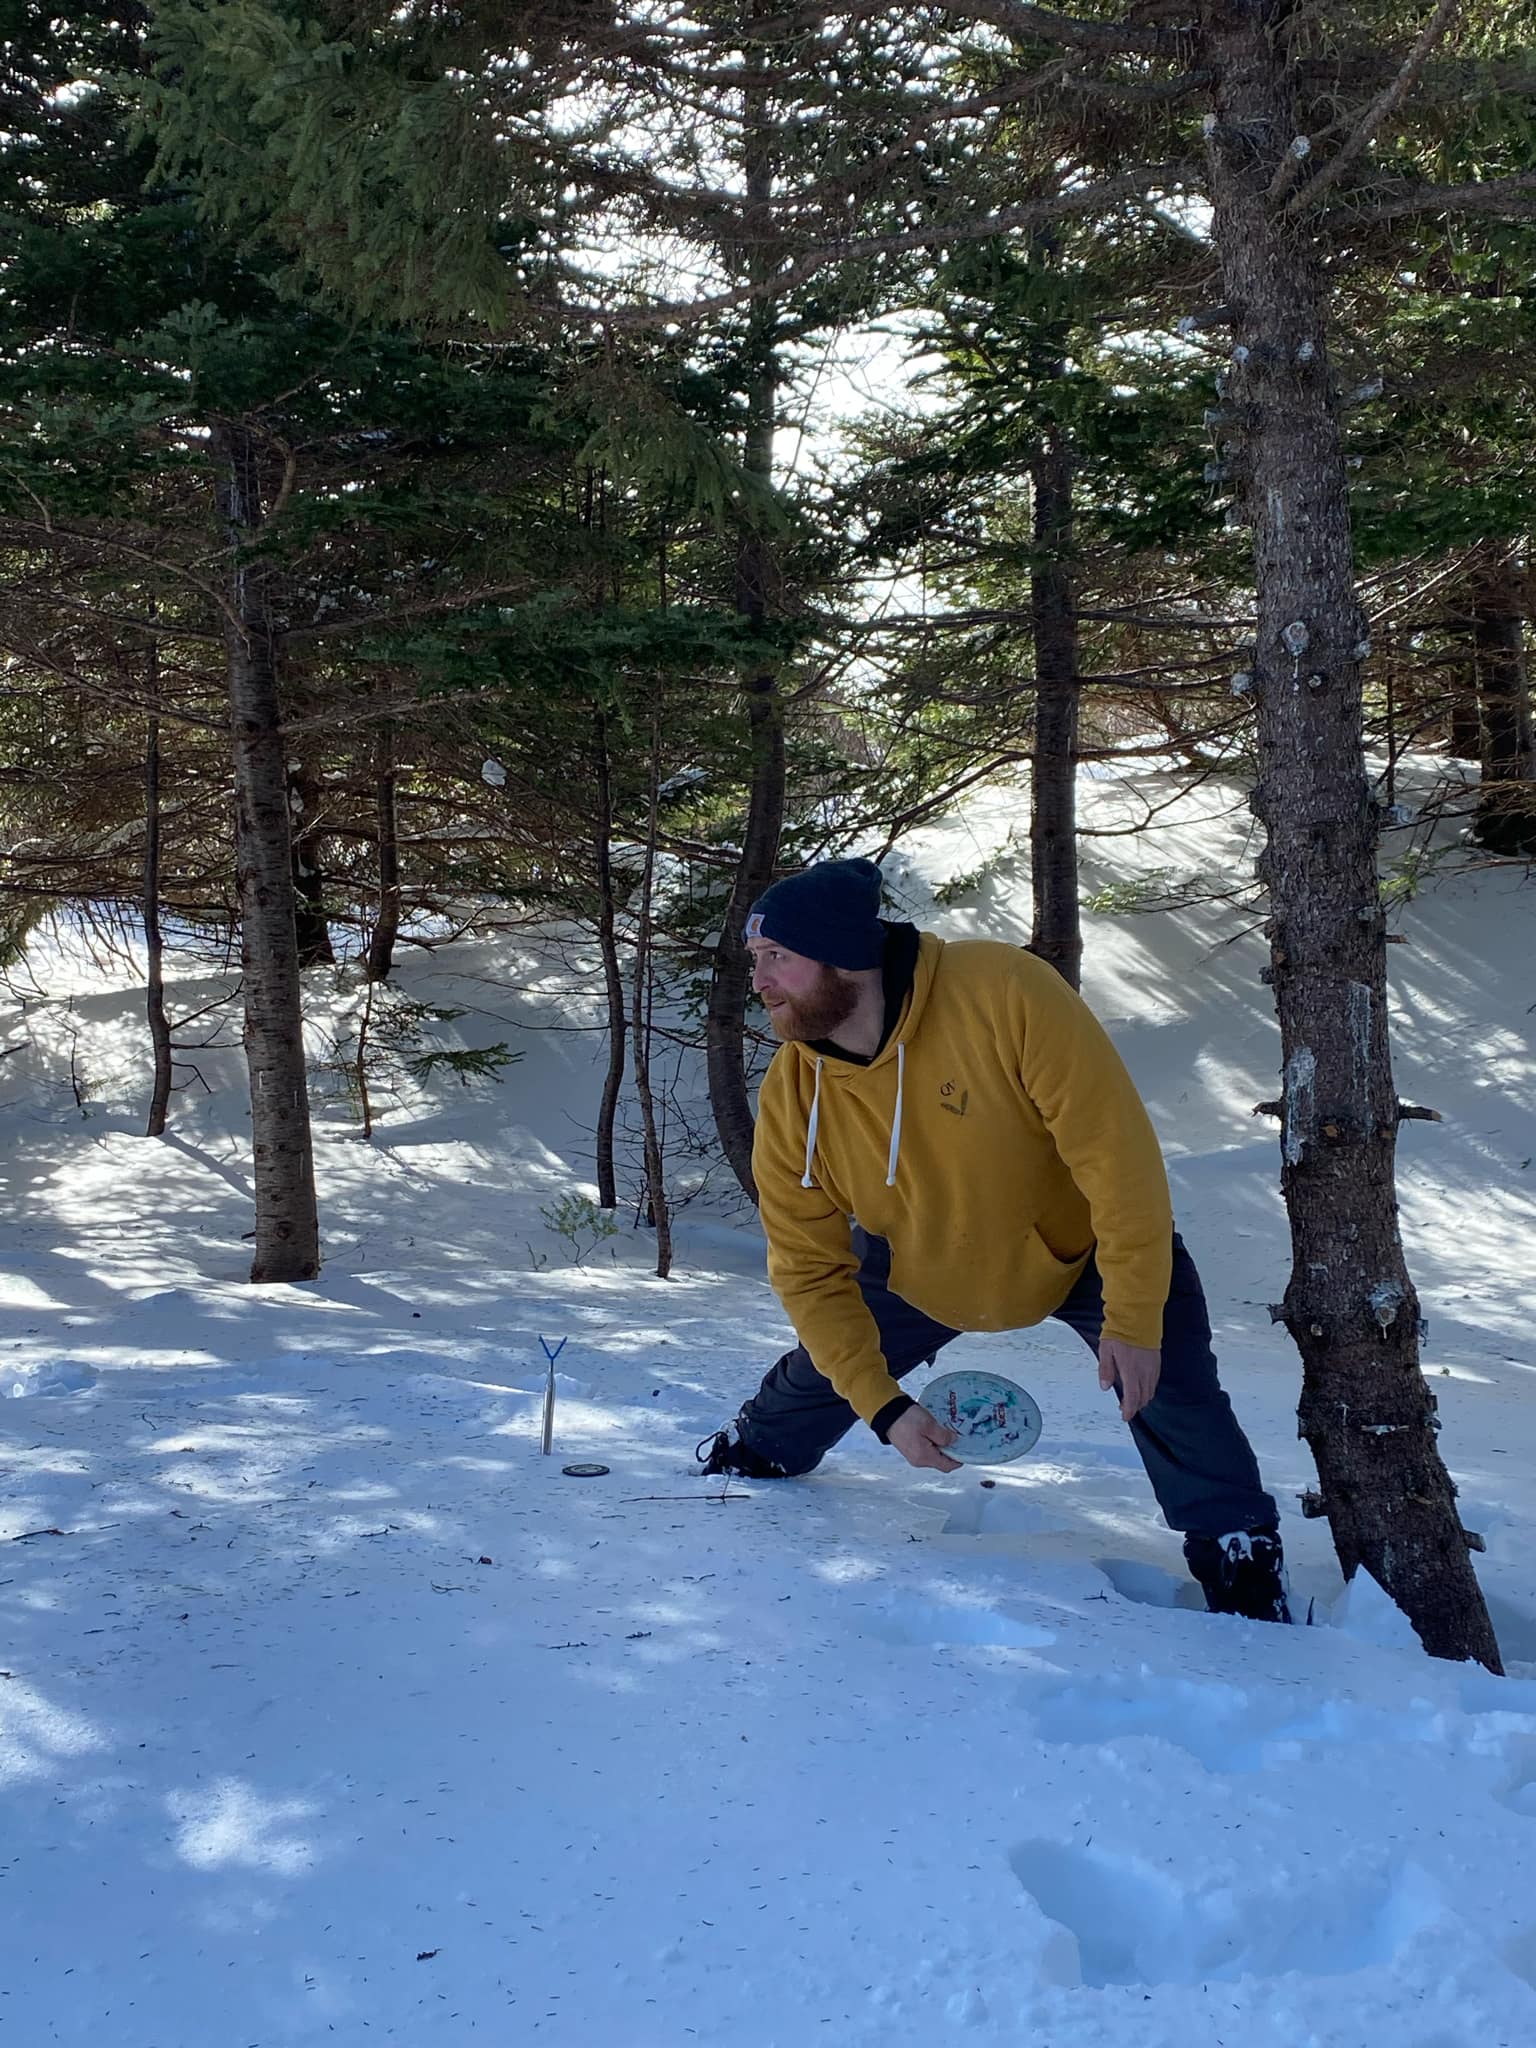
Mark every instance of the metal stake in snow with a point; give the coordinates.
(549, 1392)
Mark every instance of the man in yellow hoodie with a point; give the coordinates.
(946, 1141)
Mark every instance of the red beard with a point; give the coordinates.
(817, 1014)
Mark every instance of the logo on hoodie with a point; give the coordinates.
(947, 1098)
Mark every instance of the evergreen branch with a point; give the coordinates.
(37, 658)
(52, 531)
(1020, 616)
(1133, 184)
(1447, 81)
(1506, 198)
(152, 627)
(940, 801)
(1017, 18)
(335, 623)
(388, 704)
(1381, 107)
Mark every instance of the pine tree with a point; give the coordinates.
(194, 463)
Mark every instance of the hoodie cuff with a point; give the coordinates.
(891, 1412)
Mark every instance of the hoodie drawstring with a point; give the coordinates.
(810, 1129)
(895, 1154)
(815, 1121)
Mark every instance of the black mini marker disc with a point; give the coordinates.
(584, 1471)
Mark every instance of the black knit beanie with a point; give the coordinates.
(830, 912)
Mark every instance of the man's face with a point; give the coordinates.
(805, 999)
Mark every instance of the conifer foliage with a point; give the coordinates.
(391, 394)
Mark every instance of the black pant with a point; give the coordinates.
(1201, 1465)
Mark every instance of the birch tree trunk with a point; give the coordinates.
(1366, 1409)
(287, 1227)
(1057, 927)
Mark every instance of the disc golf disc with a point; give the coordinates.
(995, 1420)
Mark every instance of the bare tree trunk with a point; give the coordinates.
(730, 981)
(1057, 933)
(1506, 811)
(655, 1181)
(312, 927)
(1366, 1409)
(287, 1227)
(613, 973)
(386, 929)
(154, 938)
(360, 1061)
(1464, 724)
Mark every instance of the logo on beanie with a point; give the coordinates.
(755, 925)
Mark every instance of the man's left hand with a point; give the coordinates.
(1131, 1369)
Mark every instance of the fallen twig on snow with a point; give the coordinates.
(711, 1499)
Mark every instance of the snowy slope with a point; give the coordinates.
(332, 1711)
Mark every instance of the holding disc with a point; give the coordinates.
(994, 1420)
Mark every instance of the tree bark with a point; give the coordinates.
(613, 973)
(154, 938)
(1366, 1410)
(1506, 811)
(655, 1177)
(311, 925)
(386, 927)
(287, 1226)
(1056, 933)
(360, 1061)
(730, 980)
(1464, 724)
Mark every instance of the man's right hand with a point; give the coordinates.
(921, 1437)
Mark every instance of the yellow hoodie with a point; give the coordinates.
(995, 1140)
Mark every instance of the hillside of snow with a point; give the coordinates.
(332, 1711)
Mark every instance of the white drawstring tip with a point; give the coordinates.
(811, 1129)
(895, 1153)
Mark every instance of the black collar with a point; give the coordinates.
(898, 972)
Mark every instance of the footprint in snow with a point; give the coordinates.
(1223, 1727)
(1134, 1924)
(937, 1623)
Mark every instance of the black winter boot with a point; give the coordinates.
(725, 1453)
(1243, 1573)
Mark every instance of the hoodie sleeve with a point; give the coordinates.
(811, 1260)
(1100, 1127)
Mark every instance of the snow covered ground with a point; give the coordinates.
(330, 1710)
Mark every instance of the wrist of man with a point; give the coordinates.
(891, 1412)
(1138, 1325)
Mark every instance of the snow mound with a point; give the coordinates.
(29, 1381)
(1367, 1613)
